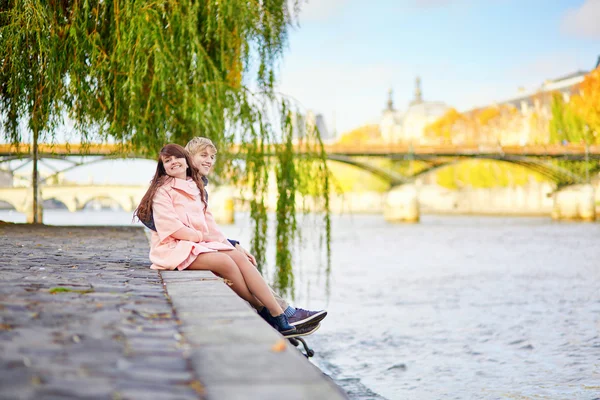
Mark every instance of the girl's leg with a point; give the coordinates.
(255, 282)
(223, 265)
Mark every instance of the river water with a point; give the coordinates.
(450, 308)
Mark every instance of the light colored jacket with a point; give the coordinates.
(176, 204)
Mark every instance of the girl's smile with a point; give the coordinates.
(175, 167)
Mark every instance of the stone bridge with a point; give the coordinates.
(75, 197)
(574, 197)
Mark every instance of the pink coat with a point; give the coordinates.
(177, 204)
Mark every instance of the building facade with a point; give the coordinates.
(407, 126)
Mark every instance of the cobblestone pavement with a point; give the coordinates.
(82, 316)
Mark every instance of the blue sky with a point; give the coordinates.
(346, 54)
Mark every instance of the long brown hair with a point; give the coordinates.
(144, 210)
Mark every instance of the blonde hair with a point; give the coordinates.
(197, 144)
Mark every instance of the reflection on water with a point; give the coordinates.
(453, 307)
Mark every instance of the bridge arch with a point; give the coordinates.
(53, 200)
(559, 175)
(76, 197)
(394, 178)
(110, 199)
(72, 164)
(18, 202)
(75, 165)
(4, 205)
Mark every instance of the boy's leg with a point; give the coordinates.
(282, 303)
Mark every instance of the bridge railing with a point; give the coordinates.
(400, 148)
(93, 149)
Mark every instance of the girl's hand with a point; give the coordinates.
(250, 257)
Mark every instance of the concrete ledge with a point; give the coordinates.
(231, 346)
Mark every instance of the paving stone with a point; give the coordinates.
(17, 393)
(15, 378)
(155, 392)
(166, 363)
(75, 388)
(178, 276)
(220, 330)
(76, 345)
(238, 363)
(273, 391)
(204, 304)
(157, 374)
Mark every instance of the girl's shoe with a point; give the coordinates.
(282, 324)
(266, 315)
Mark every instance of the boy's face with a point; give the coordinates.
(204, 160)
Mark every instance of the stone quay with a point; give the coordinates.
(83, 316)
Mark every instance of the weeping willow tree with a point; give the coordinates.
(142, 73)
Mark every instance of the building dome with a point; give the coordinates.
(408, 126)
(390, 120)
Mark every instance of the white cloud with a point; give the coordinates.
(355, 94)
(319, 10)
(583, 21)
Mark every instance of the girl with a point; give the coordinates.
(187, 236)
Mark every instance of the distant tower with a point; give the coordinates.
(335, 133)
(322, 127)
(388, 120)
(390, 102)
(418, 94)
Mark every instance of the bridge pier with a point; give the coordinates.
(575, 203)
(71, 203)
(29, 212)
(402, 204)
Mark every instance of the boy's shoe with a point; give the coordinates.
(281, 323)
(303, 317)
(304, 331)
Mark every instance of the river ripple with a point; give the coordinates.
(461, 308)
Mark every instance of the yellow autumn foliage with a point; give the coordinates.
(487, 114)
(587, 103)
(361, 135)
(442, 128)
(485, 174)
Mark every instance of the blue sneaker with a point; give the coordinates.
(266, 315)
(282, 324)
(302, 317)
(279, 322)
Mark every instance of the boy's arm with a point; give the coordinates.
(150, 222)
